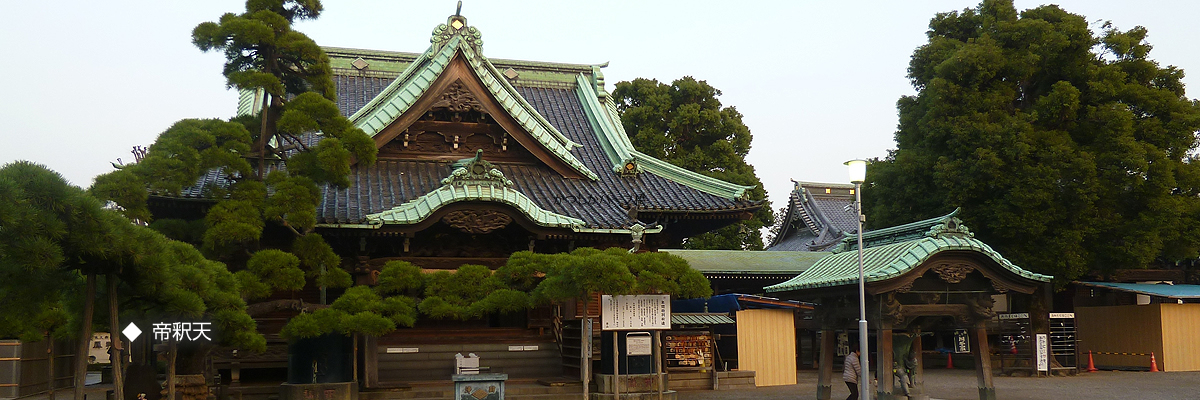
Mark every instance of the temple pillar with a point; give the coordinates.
(883, 364)
(983, 362)
(825, 371)
(918, 389)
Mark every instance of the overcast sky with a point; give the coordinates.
(817, 81)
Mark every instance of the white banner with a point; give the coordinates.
(639, 312)
(1043, 352)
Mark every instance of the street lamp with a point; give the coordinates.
(858, 174)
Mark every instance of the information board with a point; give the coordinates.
(638, 344)
(1043, 352)
(638, 312)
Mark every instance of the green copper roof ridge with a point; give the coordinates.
(420, 208)
(900, 263)
(694, 180)
(611, 133)
(408, 87)
(404, 83)
(539, 128)
(483, 66)
(918, 227)
(597, 116)
(535, 65)
(508, 89)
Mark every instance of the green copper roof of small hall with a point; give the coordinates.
(891, 260)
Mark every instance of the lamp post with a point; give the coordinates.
(858, 174)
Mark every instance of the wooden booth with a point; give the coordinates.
(1130, 325)
(925, 275)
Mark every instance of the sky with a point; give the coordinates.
(816, 81)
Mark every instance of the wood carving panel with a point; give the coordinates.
(953, 273)
(458, 98)
(477, 221)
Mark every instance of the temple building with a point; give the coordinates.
(818, 216)
(479, 158)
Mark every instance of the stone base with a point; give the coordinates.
(667, 395)
(318, 391)
(634, 383)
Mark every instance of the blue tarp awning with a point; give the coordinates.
(727, 303)
(1157, 290)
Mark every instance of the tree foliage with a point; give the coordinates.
(586, 271)
(684, 124)
(1070, 151)
(300, 141)
(52, 233)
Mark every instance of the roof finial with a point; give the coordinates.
(458, 12)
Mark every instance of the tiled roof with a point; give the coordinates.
(601, 203)
(819, 216)
(892, 260)
(748, 262)
(563, 106)
(701, 319)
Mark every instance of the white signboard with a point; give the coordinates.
(1014, 316)
(961, 343)
(402, 350)
(1043, 352)
(638, 344)
(639, 312)
(1062, 315)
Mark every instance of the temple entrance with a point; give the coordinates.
(923, 282)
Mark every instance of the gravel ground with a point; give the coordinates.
(960, 385)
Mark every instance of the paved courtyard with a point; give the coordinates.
(960, 385)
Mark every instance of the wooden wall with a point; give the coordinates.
(767, 345)
(1181, 337)
(1120, 329)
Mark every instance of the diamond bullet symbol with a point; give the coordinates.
(132, 332)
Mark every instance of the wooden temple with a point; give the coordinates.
(480, 158)
(921, 276)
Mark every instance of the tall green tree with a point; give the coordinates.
(1069, 150)
(298, 139)
(54, 241)
(685, 124)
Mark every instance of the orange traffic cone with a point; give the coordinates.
(949, 360)
(1091, 365)
(1153, 363)
(1012, 347)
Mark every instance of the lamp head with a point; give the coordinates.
(858, 170)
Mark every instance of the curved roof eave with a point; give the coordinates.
(890, 261)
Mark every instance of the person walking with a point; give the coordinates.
(851, 372)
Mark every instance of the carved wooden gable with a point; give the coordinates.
(454, 119)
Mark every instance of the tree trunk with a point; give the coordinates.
(585, 336)
(172, 349)
(50, 359)
(85, 336)
(262, 137)
(354, 358)
(116, 356)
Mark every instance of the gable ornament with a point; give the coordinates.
(476, 171)
(457, 98)
(477, 221)
(952, 273)
(456, 25)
